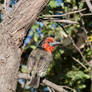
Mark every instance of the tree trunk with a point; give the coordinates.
(12, 32)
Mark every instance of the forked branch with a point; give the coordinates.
(45, 82)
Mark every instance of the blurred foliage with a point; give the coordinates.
(64, 70)
(90, 38)
(1, 1)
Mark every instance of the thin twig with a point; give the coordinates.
(45, 82)
(88, 14)
(53, 90)
(84, 0)
(23, 76)
(75, 45)
(50, 90)
(73, 12)
(79, 62)
(68, 88)
(78, 50)
(60, 21)
(84, 29)
(66, 21)
(86, 32)
(52, 85)
(89, 5)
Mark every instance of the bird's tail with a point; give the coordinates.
(35, 81)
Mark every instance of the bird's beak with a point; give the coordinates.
(55, 43)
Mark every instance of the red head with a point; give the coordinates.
(46, 44)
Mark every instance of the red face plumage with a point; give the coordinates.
(46, 44)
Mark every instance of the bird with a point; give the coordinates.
(40, 59)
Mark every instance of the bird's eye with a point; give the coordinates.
(41, 57)
(30, 74)
(48, 42)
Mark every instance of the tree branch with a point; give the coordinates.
(73, 12)
(1, 7)
(60, 21)
(45, 82)
(17, 22)
(89, 5)
(23, 76)
(2, 10)
(79, 62)
(88, 14)
(6, 5)
(78, 50)
(85, 0)
(75, 46)
(54, 86)
(20, 19)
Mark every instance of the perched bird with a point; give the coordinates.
(40, 59)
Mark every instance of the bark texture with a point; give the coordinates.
(12, 32)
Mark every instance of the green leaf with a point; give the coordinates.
(33, 46)
(24, 69)
(53, 4)
(35, 37)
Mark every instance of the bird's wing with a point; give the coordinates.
(31, 61)
(45, 59)
(39, 61)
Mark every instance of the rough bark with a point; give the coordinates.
(12, 31)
